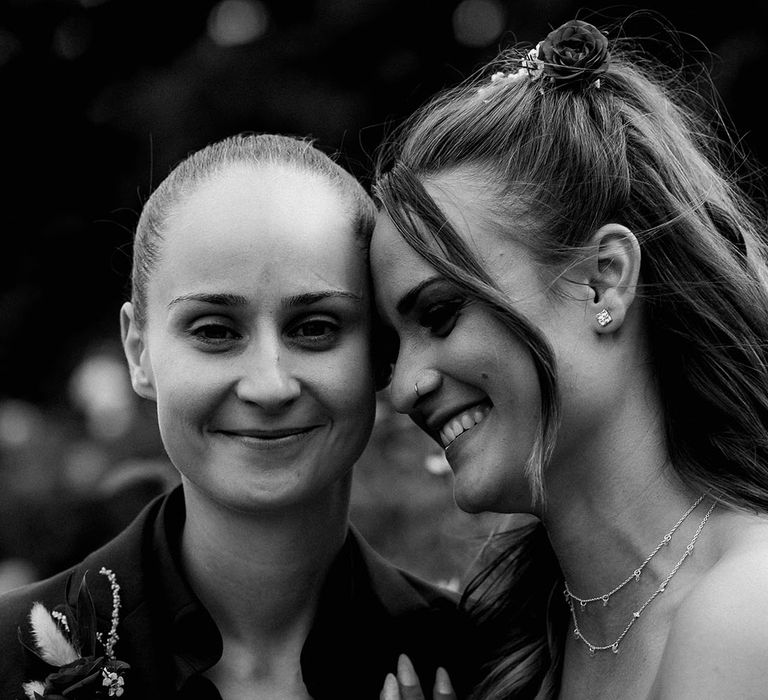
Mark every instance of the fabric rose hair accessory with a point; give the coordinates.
(574, 52)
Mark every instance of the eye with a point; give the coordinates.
(440, 317)
(212, 333)
(316, 332)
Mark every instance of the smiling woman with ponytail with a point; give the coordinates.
(578, 285)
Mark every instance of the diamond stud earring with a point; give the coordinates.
(604, 318)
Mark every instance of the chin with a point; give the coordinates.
(472, 500)
(492, 499)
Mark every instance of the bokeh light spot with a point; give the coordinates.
(19, 423)
(72, 38)
(99, 387)
(477, 23)
(437, 464)
(237, 22)
(9, 46)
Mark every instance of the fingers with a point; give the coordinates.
(410, 689)
(406, 685)
(443, 689)
(390, 691)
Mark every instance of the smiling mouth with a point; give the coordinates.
(463, 422)
(268, 436)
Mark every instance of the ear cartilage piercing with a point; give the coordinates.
(416, 388)
(603, 318)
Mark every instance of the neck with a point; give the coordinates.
(598, 549)
(259, 574)
(612, 499)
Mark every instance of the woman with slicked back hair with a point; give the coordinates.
(250, 327)
(577, 282)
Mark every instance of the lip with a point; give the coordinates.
(266, 434)
(268, 439)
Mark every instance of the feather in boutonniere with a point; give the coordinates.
(67, 640)
(53, 647)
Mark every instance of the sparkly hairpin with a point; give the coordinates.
(528, 67)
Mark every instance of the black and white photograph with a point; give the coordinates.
(383, 350)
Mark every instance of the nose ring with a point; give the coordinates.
(416, 389)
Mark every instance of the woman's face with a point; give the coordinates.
(257, 343)
(479, 393)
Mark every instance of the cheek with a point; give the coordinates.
(184, 392)
(348, 379)
(346, 390)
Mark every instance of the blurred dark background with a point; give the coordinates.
(101, 98)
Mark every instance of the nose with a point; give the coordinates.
(411, 384)
(265, 377)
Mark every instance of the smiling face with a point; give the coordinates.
(257, 341)
(479, 395)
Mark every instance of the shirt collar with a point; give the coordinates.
(194, 640)
(365, 613)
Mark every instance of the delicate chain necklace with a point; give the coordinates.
(614, 647)
(569, 595)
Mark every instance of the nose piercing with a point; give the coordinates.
(416, 389)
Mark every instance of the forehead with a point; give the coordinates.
(468, 207)
(259, 226)
(275, 198)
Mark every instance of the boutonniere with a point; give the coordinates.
(66, 638)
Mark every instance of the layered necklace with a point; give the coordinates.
(573, 599)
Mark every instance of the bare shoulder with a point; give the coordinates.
(718, 641)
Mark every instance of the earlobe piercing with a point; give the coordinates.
(604, 318)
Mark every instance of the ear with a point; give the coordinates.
(614, 272)
(142, 378)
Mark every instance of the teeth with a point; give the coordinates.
(461, 423)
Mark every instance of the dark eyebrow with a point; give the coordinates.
(236, 300)
(217, 299)
(314, 297)
(406, 304)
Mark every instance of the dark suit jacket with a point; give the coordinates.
(369, 612)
